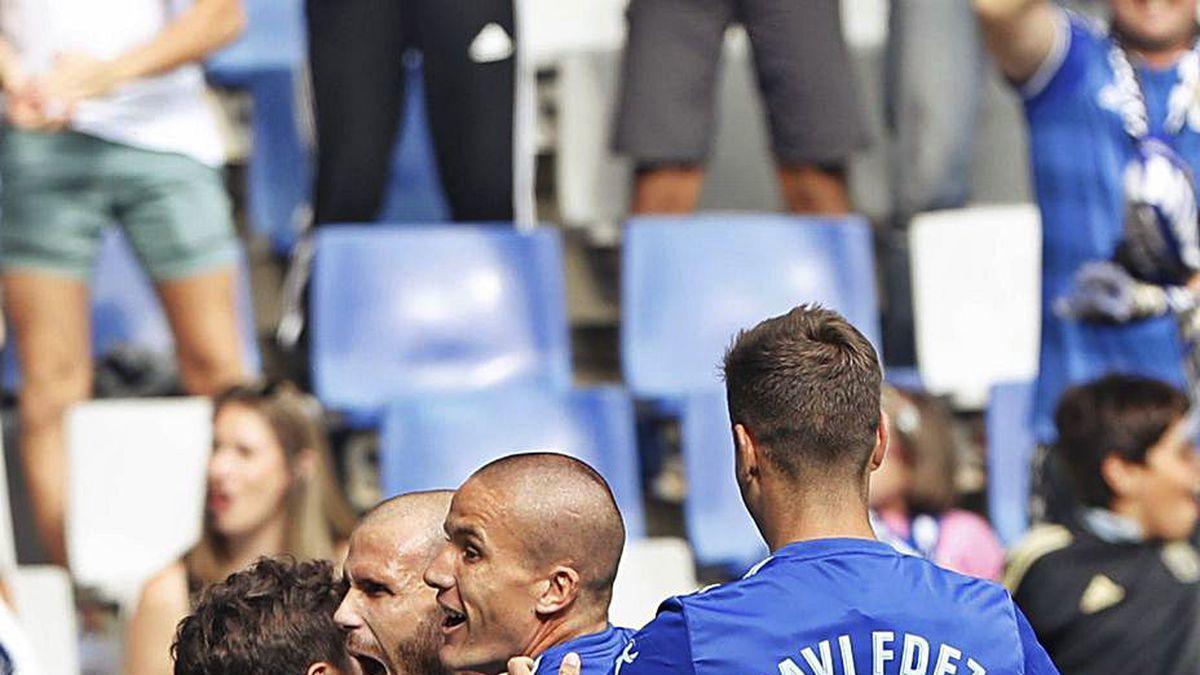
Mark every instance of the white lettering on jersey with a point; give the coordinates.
(944, 665)
(916, 655)
(626, 656)
(789, 667)
(879, 641)
(847, 651)
(825, 665)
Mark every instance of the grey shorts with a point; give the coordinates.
(58, 191)
(665, 114)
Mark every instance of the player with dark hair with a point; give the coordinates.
(391, 620)
(528, 567)
(275, 618)
(804, 398)
(1121, 586)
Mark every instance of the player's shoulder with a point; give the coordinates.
(1040, 545)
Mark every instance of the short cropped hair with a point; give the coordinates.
(807, 386)
(273, 618)
(1125, 415)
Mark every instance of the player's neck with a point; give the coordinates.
(822, 517)
(563, 629)
(1158, 56)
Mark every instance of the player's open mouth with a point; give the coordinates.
(370, 665)
(452, 620)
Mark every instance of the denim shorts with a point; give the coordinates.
(58, 191)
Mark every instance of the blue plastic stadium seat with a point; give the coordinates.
(718, 525)
(1011, 446)
(274, 41)
(437, 441)
(690, 283)
(400, 310)
(126, 309)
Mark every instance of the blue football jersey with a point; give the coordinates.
(1079, 149)
(596, 651)
(839, 607)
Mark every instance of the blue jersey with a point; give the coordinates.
(597, 652)
(839, 607)
(1080, 149)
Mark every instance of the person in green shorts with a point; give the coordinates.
(106, 122)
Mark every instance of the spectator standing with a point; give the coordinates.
(106, 122)
(1094, 99)
(477, 92)
(271, 492)
(1123, 586)
(665, 117)
(914, 492)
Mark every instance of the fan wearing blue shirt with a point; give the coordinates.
(1096, 99)
(533, 543)
(804, 396)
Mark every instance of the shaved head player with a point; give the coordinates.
(533, 543)
(389, 616)
(804, 399)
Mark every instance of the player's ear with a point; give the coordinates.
(1119, 475)
(306, 464)
(561, 590)
(881, 441)
(322, 668)
(747, 452)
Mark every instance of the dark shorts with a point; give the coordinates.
(669, 78)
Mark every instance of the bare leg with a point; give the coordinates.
(201, 310)
(50, 318)
(814, 189)
(667, 190)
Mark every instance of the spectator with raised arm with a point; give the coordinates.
(106, 122)
(1114, 125)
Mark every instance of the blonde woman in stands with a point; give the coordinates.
(914, 493)
(271, 492)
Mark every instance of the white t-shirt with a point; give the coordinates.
(167, 113)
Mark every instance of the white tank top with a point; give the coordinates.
(168, 113)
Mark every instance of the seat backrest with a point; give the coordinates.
(136, 488)
(45, 609)
(976, 297)
(719, 528)
(126, 309)
(408, 310)
(651, 571)
(437, 441)
(689, 284)
(1010, 449)
(274, 40)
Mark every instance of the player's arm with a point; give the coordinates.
(1020, 34)
(663, 647)
(204, 27)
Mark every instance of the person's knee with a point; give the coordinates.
(668, 189)
(208, 370)
(47, 393)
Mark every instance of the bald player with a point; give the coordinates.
(533, 543)
(389, 616)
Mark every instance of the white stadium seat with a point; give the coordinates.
(136, 488)
(976, 276)
(45, 609)
(651, 571)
